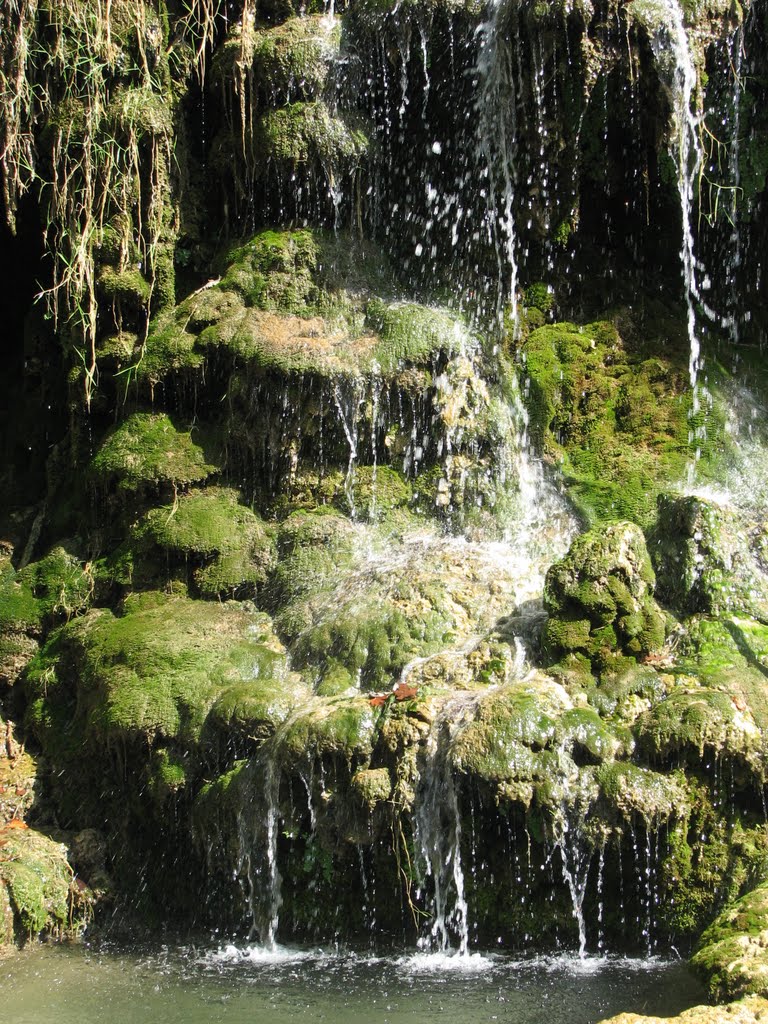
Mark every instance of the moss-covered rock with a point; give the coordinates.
(154, 672)
(707, 558)
(751, 1010)
(692, 718)
(288, 61)
(732, 954)
(600, 598)
(147, 449)
(302, 132)
(224, 545)
(38, 887)
(616, 417)
(353, 613)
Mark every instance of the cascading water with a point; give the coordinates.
(675, 60)
(437, 825)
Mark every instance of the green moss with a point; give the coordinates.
(167, 774)
(708, 558)
(153, 672)
(255, 709)
(693, 717)
(372, 786)
(39, 885)
(617, 416)
(224, 544)
(410, 333)
(60, 583)
(19, 609)
(731, 957)
(147, 449)
(508, 738)
(636, 791)
(600, 598)
(127, 286)
(302, 132)
(314, 548)
(139, 112)
(302, 301)
(333, 725)
(539, 296)
(295, 58)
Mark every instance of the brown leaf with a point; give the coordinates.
(404, 691)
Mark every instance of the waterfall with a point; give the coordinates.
(673, 54)
(437, 823)
(258, 861)
(497, 129)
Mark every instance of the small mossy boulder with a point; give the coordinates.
(147, 449)
(155, 672)
(751, 1010)
(38, 891)
(209, 532)
(708, 558)
(732, 954)
(600, 598)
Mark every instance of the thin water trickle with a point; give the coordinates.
(675, 61)
(437, 822)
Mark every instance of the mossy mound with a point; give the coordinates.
(224, 544)
(38, 892)
(148, 450)
(354, 615)
(302, 132)
(313, 548)
(37, 597)
(693, 718)
(600, 598)
(732, 954)
(342, 727)
(531, 741)
(617, 420)
(154, 672)
(301, 301)
(708, 559)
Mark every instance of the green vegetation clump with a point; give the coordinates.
(615, 419)
(146, 450)
(600, 598)
(302, 132)
(732, 957)
(224, 544)
(153, 672)
(38, 887)
(692, 718)
(708, 559)
(302, 301)
(293, 60)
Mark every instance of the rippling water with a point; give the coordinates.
(232, 984)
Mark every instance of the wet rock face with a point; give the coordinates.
(600, 597)
(709, 558)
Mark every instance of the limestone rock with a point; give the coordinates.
(752, 1010)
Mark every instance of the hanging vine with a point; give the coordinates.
(87, 105)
